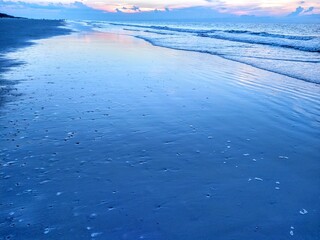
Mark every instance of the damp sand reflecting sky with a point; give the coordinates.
(112, 138)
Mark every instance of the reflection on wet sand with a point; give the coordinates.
(113, 138)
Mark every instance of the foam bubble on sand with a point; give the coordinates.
(303, 211)
(44, 181)
(291, 230)
(96, 234)
(47, 230)
(258, 179)
(9, 163)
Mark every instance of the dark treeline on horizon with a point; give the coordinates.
(3, 15)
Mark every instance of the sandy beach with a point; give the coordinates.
(105, 136)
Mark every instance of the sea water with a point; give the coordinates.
(288, 49)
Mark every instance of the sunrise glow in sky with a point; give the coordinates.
(238, 7)
(273, 7)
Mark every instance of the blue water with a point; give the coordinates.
(288, 49)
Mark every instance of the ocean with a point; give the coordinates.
(289, 49)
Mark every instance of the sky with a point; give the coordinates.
(100, 9)
(256, 7)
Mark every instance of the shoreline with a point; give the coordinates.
(147, 142)
(278, 61)
(18, 33)
(234, 60)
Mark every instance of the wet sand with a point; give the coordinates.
(17, 33)
(112, 138)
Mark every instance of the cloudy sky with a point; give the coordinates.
(256, 7)
(271, 8)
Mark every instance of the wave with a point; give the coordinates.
(132, 30)
(272, 35)
(302, 43)
(160, 33)
(311, 46)
(162, 28)
(281, 50)
(263, 64)
(147, 31)
(199, 31)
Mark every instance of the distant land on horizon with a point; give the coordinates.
(3, 15)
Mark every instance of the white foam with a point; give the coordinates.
(303, 211)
